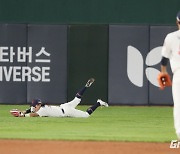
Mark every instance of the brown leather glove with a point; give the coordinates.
(164, 80)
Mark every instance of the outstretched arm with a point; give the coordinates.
(17, 113)
(31, 115)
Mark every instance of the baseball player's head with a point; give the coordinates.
(178, 19)
(36, 104)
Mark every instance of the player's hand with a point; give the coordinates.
(164, 80)
(16, 113)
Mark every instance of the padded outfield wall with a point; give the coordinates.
(49, 48)
(53, 62)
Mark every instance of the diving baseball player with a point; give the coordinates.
(64, 110)
(171, 51)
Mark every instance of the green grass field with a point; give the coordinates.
(116, 123)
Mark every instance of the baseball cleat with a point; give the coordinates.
(102, 103)
(90, 82)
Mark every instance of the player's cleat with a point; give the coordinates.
(102, 103)
(90, 82)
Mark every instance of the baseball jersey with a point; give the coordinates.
(171, 49)
(50, 111)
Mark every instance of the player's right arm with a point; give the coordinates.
(39, 112)
(164, 63)
(31, 115)
(166, 54)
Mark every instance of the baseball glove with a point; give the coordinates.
(164, 80)
(16, 113)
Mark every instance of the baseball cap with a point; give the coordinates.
(36, 102)
(178, 16)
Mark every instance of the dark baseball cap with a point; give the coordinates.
(36, 102)
(178, 16)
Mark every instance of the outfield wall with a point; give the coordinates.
(53, 62)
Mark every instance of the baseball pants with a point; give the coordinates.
(176, 98)
(71, 111)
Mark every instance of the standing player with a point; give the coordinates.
(171, 51)
(64, 110)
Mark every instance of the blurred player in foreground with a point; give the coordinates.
(38, 109)
(171, 51)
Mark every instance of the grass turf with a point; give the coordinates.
(117, 123)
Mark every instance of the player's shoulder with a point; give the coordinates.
(44, 107)
(172, 34)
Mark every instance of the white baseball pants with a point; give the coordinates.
(70, 111)
(176, 98)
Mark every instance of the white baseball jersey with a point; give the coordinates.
(50, 111)
(171, 49)
(64, 110)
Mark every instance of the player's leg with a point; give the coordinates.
(99, 102)
(72, 112)
(87, 85)
(79, 95)
(176, 98)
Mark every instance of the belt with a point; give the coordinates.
(63, 111)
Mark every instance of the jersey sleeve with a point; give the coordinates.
(42, 112)
(166, 49)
